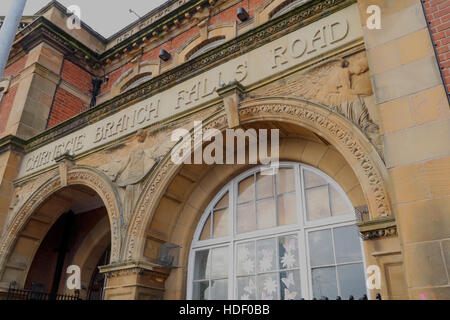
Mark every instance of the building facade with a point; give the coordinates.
(358, 203)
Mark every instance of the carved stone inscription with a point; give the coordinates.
(330, 33)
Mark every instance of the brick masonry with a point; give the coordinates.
(65, 106)
(438, 16)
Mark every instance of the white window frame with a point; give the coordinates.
(301, 229)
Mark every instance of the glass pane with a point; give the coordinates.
(219, 258)
(246, 258)
(246, 288)
(219, 289)
(267, 286)
(266, 253)
(220, 223)
(352, 280)
(287, 209)
(246, 218)
(317, 203)
(201, 270)
(246, 190)
(290, 285)
(347, 244)
(288, 252)
(286, 180)
(264, 186)
(200, 290)
(324, 283)
(320, 248)
(313, 180)
(267, 217)
(338, 204)
(223, 203)
(206, 232)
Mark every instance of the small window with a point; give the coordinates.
(211, 44)
(287, 6)
(137, 81)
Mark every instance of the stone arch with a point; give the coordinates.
(348, 140)
(207, 34)
(268, 8)
(84, 176)
(137, 72)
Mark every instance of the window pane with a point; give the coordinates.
(219, 263)
(201, 265)
(246, 288)
(317, 203)
(266, 253)
(286, 180)
(246, 258)
(206, 232)
(264, 186)
(288, 252)
(200, 290)
(313, 180)
(320, 248)
(290, 285)
(246, 190)
(223, 203)
(324, 283)
(220, 223)
(352, 280)
(347, 244)
(219, 289)
(338, 204)
(287, 209)
(267, 286)
(246, 218)
(267, 217)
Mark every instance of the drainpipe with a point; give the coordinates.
(8, 31)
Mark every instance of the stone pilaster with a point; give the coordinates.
(135, 280)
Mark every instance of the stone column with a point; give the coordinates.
(8, 31)
(135, 280)
(415, 120)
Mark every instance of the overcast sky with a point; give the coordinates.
(104, 16)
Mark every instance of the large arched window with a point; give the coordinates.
(288, 235)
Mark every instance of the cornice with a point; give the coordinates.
(12, 143)
(242, 44)
(378, 228)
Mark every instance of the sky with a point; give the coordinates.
(104, 16)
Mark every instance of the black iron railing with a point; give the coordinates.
(23, 294)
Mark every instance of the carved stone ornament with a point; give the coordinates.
(340, 85)
(138, 164)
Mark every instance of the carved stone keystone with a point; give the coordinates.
(65, 162)
(232, 95)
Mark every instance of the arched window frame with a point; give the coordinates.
(301, 229)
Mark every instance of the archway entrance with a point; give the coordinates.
(66, 241)
(59, 235)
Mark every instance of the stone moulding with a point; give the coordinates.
(257, 37)
(89, 177)
(339, 131)
(378, 228)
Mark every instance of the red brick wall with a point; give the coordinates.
(15, 68)
(172, 45)
(76, 76)
(5, 107)
(438, 16)
(65, 106)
